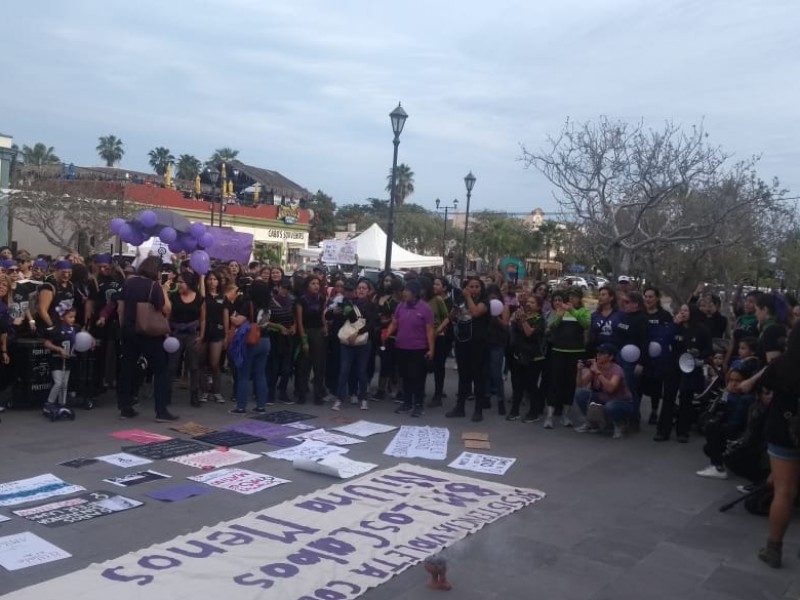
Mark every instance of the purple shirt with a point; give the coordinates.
(412, 321)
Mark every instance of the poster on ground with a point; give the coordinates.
(81, 508)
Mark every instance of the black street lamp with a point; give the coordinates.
(213, 176)
(444, 233)
(398, 117)
(469, 181)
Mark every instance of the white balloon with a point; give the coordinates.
(171, 344)
(686, 362)
(654, 350)
(83, 342)
(496, 307)
(630, 353)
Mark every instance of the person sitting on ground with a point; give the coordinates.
(747, 455)
(605, 385)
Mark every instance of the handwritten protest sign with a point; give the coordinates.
(140, 436)
(336, 542)
(328, 437)
(364, 428)
(341, 252)
(419, 442)
(136, 478)
(213, 459)
(35, 488)
(74, 510)
(240, 481)
(482, 463)
(335, 465)
(308, 450)
(27, 550)
(123, 459)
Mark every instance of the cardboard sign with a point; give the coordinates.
(168, 449)
(419, 442)
(341, 252)
(240, 481)
(482, 463)
(73, 510)
(35, 488)
(136, 478)
(213, 459)
(27, 550)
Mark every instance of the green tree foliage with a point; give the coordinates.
(323, 225)
(110, 149)
(223, 155)
(39, 155)
(189, 167)
(404, 183)
(160, 157)
(494, 236)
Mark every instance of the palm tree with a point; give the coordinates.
(39, 155)
(404, 183)
(159, 159)
(110, 149)
(223, 155)
(189, 167)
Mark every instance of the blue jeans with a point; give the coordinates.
(616, 411)
(254, 369)
(494, 372)
(353, 361)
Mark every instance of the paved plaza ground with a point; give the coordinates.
(622, 519)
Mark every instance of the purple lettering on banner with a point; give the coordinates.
(469, 488)
(248, 579)
(452, 499)
(305, 557)
(114, 575)
(287, 537)
(316, 506)
(282, 570)
(420, 544)
(149, 562)
(503, 506)
(368, 570)
(354, 589)
(450, 528)
(423, 481)
(369, 525)
(325, 594)
(404, 505)
(351, 489)
(382, 542)
(205, 551)
(439, 539)
(332, 546)
(395, 518)
(233, 539)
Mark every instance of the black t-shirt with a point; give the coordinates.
(107, 288)
(20, 298)
(63, 336)
(784, 406)
(260, 316)
(63, 295)
(313, 310)
(185, 312)
(282, 310)
(139, 289)
(772, 339)
(215, 314)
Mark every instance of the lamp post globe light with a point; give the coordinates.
(469, 181)
(398, 117)
(444, 233)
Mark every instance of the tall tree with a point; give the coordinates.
(323, 225)
(160, 157)
(110, 149)
(404, 183)
(39, 155)
(637, 191)
(223, 155)
(496, 235)
(189, 167)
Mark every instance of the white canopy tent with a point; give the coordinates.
(372, 252)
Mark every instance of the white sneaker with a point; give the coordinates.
(587, 428)
(203, 397)
(364, 405)
(548, 423)
(336, 405)
(617, 433)
(353, 400)
(565, 422)
(713, 472)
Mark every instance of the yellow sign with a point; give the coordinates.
(288, 214)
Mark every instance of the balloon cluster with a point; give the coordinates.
(145, 225)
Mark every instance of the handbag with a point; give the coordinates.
(149, 320)
(351, 328)
(254, 333)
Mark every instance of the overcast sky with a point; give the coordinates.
(305, 87)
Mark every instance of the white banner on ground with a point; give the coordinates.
(482, 463)
(35, 488)
(308, 450)
(240, 481)
(334, 543)
(419, 442)
(328, 437)
(214, 459)
(27, 550)
(335, 465)
(364, 428)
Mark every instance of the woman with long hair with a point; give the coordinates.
(187, 320)
(660, 332)
(528, 358)
(353, 356)
(312, 329)
(282, 330)
(388, 298)
(235, 270)
(471, 322)
(254, 308)
(442, 305)
(217, 324)
(497, 340)
(335, 319)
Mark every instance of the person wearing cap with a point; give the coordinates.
(414, 344)
(59, 292)
(109, 283)
(606, 389)
(624, 285)
(568, 330)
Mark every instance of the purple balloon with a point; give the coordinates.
(189, 243)
(125, 232)
(197, 230)
(206, 241)
(167, 235)
(175, 247)
(148, 219)
(116, 225)
(200, 262)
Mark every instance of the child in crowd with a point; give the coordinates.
(60, 341)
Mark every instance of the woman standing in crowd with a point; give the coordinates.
(354, 355)
(771, 333)
(692, 338)
(471, 321)
(528, 358)
(187, 320)
(253, 308)
(281, 334)
(568, 332)
(632, 331)
(217, 323)
(782, 376)
(276, 276)
(53, 294)
(312, 328)
(441, 304)
(142, 288)
(109, 281)
(605, 318)
(235, 269)
(334, 316)
(660, 332)
(389, 296)
(497, 340)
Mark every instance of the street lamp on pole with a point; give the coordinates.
(398, 117)
(213, 176)
(444, 233)
(469, 181)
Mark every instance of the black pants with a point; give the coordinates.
(525, 380)
(133, 346)
(471, 358)
(314, 359)
(411, 364)
(442, 350)
(279, 365)
(716, 442)
(682, 386)
(563, 376)
(652, 386)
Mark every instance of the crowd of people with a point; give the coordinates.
(321, 338)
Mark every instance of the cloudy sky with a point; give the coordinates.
(304, 87)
